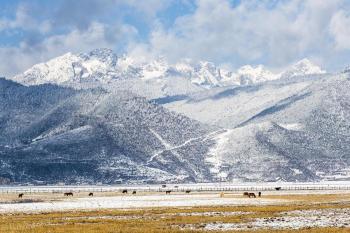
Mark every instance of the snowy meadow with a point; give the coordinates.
(304, 207)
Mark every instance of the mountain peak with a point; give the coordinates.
(97, 64)
(103, 65)
(304, 61)
(302, 67)
(103, 55)
(248, 74)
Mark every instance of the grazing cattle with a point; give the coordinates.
(251, 195)
(125, 191)
(20, 195)
(68, 194)
(246, 194)
(91, 194)
(278, 188)
(259, 194)
(134, 192)
(188, 191)
(168, 192)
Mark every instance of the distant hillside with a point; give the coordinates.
(54, 134)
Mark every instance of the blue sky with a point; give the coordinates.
(230, 33)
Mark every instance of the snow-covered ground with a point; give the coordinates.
(129, 202)
(336, 214)
(50, 198)
(289, 220)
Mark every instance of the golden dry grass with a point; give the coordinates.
(72, 222)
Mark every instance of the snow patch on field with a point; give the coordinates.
(212, 213)
(128, 202)
(287, 220)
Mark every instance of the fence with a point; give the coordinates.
(159, 188)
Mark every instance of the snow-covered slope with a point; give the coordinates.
(281, 130)
(54, 134)
(230, 106)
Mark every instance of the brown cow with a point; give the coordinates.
(251, 195)
(134, 192)
(168, 192)
(20, 195)
(91, 194)
(188, 191)
(246, 194)
(68, 194)
(125, 191)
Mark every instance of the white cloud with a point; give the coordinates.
(150, 7)
(340, 29)
(15, 59)
(81, 26)
(274, 33)
(25, 21)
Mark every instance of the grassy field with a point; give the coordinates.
(171, 220)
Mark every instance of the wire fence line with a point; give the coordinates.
(78, 189)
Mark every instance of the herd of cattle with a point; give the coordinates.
(251, 194)
(125, 191)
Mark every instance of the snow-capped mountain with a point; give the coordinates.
(302, 67)
(110, 118)
(203, 73)
(98, 65)
(290, 131)
(250, 75)
(103, 66)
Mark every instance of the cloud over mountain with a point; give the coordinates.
(230, 33)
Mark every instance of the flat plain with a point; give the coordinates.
(275, 211)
